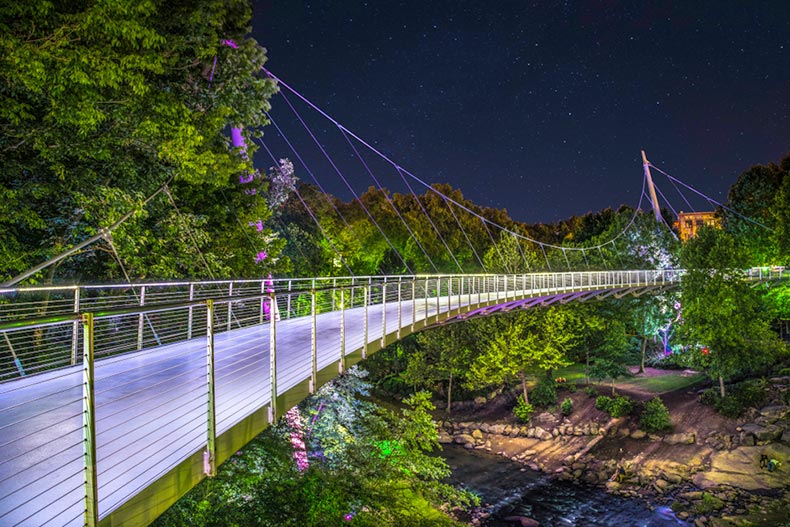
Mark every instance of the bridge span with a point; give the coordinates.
(117, 399)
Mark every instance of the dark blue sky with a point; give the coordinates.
(538, 107)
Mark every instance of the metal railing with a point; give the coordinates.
(108, 387)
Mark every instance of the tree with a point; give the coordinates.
(523, 343)
(724, 324)
(101, 104)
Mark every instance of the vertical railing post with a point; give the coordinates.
(189, 311)
(75, 328)
(334, 286)
(91, 516)
(313, 343)
(438, 297)
(210, 455)
(365, 293)
(342, 365)
(383, 314)
(140, 318)
(400, 306)
(273, 359)
(425, 294)
(413, 303)
(230, 306)
(288, 305)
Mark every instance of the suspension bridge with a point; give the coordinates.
(115, 400)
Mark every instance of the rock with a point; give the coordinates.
(546, 418)
(740, 469)
(761, 433)
(464, 439)
(469, 446)
(485, 427)
(786, 435)
(528, 453)
(497, 429)
(638, 434)
(660, 485)
(480, 401)
(542, 434)
(445, 438)
(746, 439)
(702, 521)
(691, 496)
(680, 438)
(774, 413)
(477, 434)
(507, 430)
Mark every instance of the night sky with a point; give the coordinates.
(541, 108)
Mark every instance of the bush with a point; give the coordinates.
(591, 391)
(620, 406)
(710, 397)
(602, 402)
(571, 387)
(655, 416)
(567, 406)
(614, 406)
(753, 392)
(544, 394)
(729, 407)
(523, 411)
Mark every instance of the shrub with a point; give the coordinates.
(753, 392)
(729, 407)
(710, 397)
(567, 406)
(620, 406)
(523, 411)
(655, 416)
(591, 391)
(602, 402)
(544, 394)
(571, 387)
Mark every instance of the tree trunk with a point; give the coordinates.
(587, 366)
(613, 392)
(644, 346)
(721, 386)
(450, 394)
(524, 387)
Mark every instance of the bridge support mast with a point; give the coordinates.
(651, 188)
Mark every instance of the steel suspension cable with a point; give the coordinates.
(345, 181)
(189, 231)
(711, 200)
(469, 241)
(429, 219)
(406, 172)
(389, 200)
(312, 215)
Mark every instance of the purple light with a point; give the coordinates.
(229, 42)
(348, 517)
(261, 256)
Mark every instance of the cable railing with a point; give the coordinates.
(106, 388)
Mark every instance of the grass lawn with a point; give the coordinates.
(667, 381)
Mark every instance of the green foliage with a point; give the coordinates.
(364, 461)
(655, 416)
(751, 393)
(544, 394)
(570, 387)
(721, 311)
(591, 391)
(618, 406)
(708, 504)
(523, 410)
(567, 407)
(602, 403)
(101, 104)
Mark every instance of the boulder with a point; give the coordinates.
(683, 438)
(660, 485)
(546, 418)
(542, 434)
(464, 439)
(762, 433)
(497, 429)
(480, 401)
(477, 434)
(638, 434)
(445, 438)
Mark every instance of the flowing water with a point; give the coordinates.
(513, 492)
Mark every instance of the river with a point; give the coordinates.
(511, 491)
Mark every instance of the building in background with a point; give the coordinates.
(688, 223)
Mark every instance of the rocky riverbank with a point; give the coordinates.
(707, 468)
